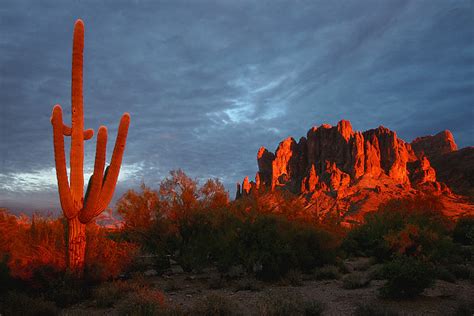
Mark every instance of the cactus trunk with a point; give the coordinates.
(80, 210)
(76, 244)
(77, 116)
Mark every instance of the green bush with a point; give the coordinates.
(355, 280)
(293, 278)
(461, 271)
(107, 294)
(327, 273)
(412, 227)
(208, 237)
(406, 277)
(270, 246)
(7, 282)
(312, 308)
(266, 246)
(464, 231)
(62, 288)
(247, 284)
(442, 273)
(282, 305)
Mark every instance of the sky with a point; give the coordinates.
(208, 82)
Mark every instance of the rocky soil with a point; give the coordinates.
(247, 296)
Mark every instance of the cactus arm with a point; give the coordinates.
(77, 117)
(95, 184)
(88, 133)
(66, 130)
(60, 160)
(110, 179)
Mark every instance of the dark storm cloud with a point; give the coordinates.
(208, 82)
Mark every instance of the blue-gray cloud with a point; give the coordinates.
(208, 82)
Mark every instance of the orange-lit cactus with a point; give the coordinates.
(80, 210)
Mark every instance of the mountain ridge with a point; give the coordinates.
(338, 165)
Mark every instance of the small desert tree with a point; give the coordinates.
(139, 210)
(213, 194)
(178, 195)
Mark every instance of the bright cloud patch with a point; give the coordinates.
(45, 179)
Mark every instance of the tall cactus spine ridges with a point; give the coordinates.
(80, 210)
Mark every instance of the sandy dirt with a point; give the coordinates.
(185, 290)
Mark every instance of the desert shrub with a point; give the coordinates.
(35, 252)
(463, 232)
(461, 271)
(312, 308)
(143, 301)
(248, 284)
(376, 272)
(293, 278)
(206, 237)
(198, 227)
(282, 305)
(58, 286)
(265, 245)
(138, 211)
(329, 272)
(110, 293)
(7, 282)
(355, 280)
(406, 277)
(410, 226)
(214, 305)
(266, 252)
(30, 244)
(273, 245)
(16, 303)
(372, 310)
(443, 273)
(106, 258)
(107, 294)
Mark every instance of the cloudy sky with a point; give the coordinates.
(209, 82)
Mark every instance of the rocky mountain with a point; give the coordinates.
(338, 169)
(453, 167)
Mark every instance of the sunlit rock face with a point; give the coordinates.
(453, 167)
(339, 157)
(348, 170)
(435, 146)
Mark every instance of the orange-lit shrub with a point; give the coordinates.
(143, 301)
(412, 226)
(36, 248)
(29, 245)
(106, 258)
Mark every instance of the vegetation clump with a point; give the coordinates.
(186, 226)
(355, 280)
(406, 277)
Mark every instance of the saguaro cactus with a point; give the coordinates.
(80, 210)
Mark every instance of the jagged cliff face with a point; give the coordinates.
(435, 146)
(332, 158)
(453, 167)
(337, 164)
